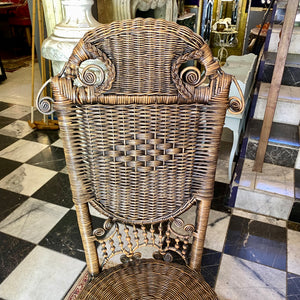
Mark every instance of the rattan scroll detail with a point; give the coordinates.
(192, 76)
(237, 105)
(167, 240)
(92, 74)
(44, 104)
(192, 89)
(83, 52)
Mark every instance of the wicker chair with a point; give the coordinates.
(141, 133)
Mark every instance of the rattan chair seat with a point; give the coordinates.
(148, 279)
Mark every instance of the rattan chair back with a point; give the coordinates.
(141, 127)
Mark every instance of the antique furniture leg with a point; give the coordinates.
(203, 207)
(85, 227)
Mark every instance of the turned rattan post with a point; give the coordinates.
(203, 208)
(77, 186)
(85, 228)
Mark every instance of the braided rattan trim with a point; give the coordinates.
(65, 91)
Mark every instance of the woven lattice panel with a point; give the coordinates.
(137, 160)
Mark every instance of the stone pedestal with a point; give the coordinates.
(77, 20)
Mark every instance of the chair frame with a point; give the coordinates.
(94, 82)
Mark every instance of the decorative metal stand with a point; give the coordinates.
(223, 39)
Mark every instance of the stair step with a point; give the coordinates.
(283, 145)
(288, 104)
(269, 193)
(281, 134)
(274, 39)
(291, 75)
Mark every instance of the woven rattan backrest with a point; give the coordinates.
(141, 133)
(140, 139)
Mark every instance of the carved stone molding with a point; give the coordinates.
(126, 9)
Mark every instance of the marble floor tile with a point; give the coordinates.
(32, 214)
(284, 108)
(57, 190)
(276, 179)
(221, 196)
(222, 171)
(47, 137)
(5, 141)
(256, 217)
(7, 166)
(293, 225)
(15, 111)
(295, 212)
(26, 179)
(52, 158)
(281, 134)
(5, 121)
(218, 222)
(9, 202)
(286, 92)
(216, 231)
(240, 279)
(12, 252)
(293, 249)
(4, 105)
(37, 116)
(16, 129)
(275, 155)
(297, 184)
(293, 287)
(43, 274)
(58, 143)
(22, 150)
(94, 212)
(297, 163)
(248, 177)
(256, 241)
(264, 203)
(65, 237)
(210, 265)
(17, 88)
(64, 170)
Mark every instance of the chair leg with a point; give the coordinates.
(203, 208)
(85, 227)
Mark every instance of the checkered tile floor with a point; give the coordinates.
(246, 256)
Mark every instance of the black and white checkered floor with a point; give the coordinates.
(247, 256)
